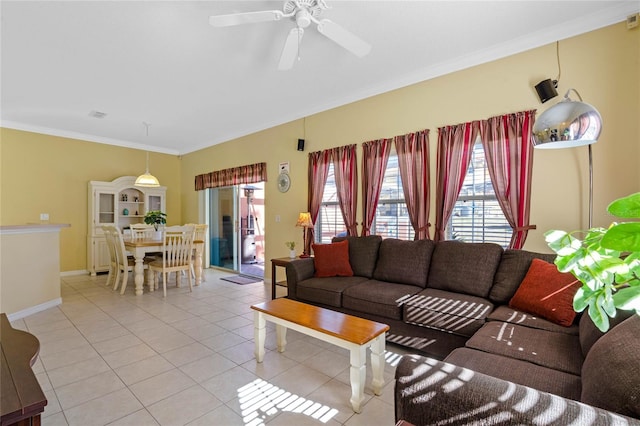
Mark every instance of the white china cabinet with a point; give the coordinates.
(119, 203)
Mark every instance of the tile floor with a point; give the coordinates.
(107, 359)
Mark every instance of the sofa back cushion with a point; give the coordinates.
(467, 268)
(404, 262)
(611, 370)
(513, 267)
(363, 253)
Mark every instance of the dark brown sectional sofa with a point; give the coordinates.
(485, 362)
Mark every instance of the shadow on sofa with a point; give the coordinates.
(607, 392)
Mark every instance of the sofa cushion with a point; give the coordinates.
(451, 312)
(326, 291)
(518, 371)
(467, 268)
(511, 271)
(611, 371)
(547, 292)
(513, 316)
(404, 262)
(378, 298)
(363, 253)
(332, 260)
(559, 351)
(589, 333)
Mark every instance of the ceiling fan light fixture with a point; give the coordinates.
(303, 13)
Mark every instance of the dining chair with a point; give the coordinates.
(200, 235)
(142, 231)
(111, 246)
(145, 231)
(177, 249)
(125, 263)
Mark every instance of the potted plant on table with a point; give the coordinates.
(155, 218)
(605, 261)
(292, 246)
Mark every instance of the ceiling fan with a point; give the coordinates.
(303, 13)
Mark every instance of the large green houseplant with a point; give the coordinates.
(606, 261)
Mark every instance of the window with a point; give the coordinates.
(392, 217)
(330, 222)
(477, 216)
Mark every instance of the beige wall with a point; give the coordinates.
(602, 65)
(25, 285)
(49, 174)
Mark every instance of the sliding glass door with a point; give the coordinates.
(223, 226)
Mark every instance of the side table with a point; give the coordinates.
(283, 262)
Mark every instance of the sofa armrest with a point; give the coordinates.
(428, 391)
(298, 270)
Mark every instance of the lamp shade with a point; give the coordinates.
(147, 180)
(567, 124)
(304, 220)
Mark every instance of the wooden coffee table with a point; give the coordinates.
(346, 331)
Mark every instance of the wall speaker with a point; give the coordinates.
(547, 89)
(300, 144)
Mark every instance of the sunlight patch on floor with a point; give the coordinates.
(260, 400)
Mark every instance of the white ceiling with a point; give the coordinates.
(161, 62)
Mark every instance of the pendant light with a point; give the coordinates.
(147, 180)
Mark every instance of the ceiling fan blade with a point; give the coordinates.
(344, 38)
(245, 18)
(291, 49)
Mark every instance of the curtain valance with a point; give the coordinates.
(251, 173)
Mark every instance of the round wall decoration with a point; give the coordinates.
(284, 182)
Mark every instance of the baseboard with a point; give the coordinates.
(34, 309)
(73, 273)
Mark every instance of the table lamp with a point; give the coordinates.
(304, 221)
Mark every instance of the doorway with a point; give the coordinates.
(236, 228)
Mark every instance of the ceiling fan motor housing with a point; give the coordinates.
(303, 11)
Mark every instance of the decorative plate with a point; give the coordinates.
(284, 182)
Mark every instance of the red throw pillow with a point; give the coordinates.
(332, 260)
(547, 292)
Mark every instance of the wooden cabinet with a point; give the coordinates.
(119, 203)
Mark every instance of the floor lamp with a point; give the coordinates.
(569, 124)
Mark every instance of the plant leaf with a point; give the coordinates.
(598, 316)
(628, 298)
(623, 237)
(626, 207)
(581, 299)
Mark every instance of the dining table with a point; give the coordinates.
(139, 247)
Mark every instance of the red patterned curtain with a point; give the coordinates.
(413, 162)
(509, 153)
(455, 145)
(318, 171)
(375, 155)
(346, 172)
(235, 176)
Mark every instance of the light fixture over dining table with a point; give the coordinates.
(147, 180)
